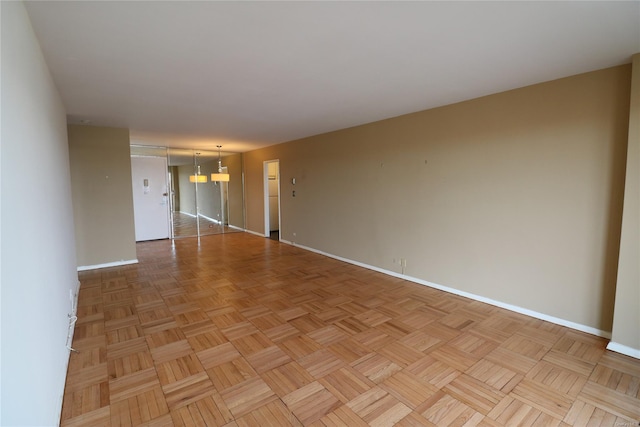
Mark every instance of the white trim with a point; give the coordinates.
(623, 349)
(267, 213)
(74, 303)
(254, 232)
(108, 264)
(188, 214)
(235, 227)
(265, 191)
(510, 307)
(210, 219)
(70, 331)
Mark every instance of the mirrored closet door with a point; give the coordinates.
(203, 192)
(206, 192)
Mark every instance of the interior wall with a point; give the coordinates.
(236, 193)
(209, 198)
(626, 322)
(514, 197)
(187, 190)
(38, 262)
(102, 195)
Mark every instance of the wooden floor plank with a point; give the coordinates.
(343, 416)
(611, 401)
(273, 413)
(243, 331)
(346, 383)
(311, 402)
(444, 410)
(247, 396)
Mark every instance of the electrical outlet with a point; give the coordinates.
(404, 262)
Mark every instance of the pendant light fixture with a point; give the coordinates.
(219, 177)
(198, 177)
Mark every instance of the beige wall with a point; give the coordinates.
(187, 190)
(209, 198)
(102, 195)
(236, 196)
(515, 197)
(626, 321)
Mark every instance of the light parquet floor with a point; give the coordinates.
(245, 331)
(185, 226)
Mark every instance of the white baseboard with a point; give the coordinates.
(510, 307)
(108, 264)
(73, 312)
(74, 302)
(235, 227)
(623, 349)
(254, 232)
(210, 219)
(188, 214)
(75, 290)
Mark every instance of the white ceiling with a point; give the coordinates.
(251, 74)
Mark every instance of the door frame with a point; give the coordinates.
(267, 222)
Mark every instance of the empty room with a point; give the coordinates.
(325, 213)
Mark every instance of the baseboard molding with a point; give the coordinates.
(210, 219)
(254, 232)
(235, 227)
(74, 302)
(510, 307)
(187, 213)
(623, 349)
(72, 315)
(75, 290)
(108, 264)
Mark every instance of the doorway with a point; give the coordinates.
(150, 197)
(272, 199)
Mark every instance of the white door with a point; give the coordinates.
(150, 198)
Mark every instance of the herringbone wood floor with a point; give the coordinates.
(246, 331)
